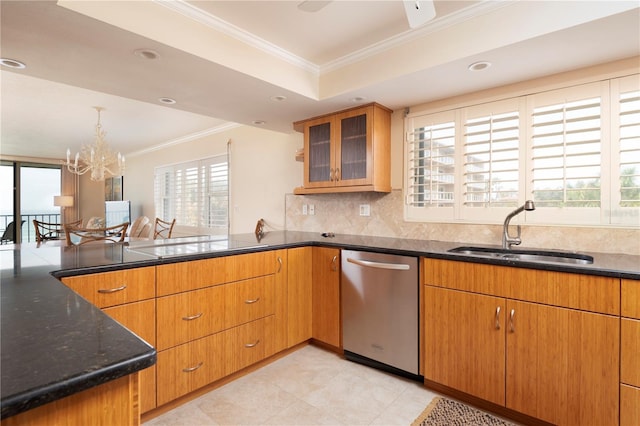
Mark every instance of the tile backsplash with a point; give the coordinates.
(340, 213)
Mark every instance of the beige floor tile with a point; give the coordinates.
(308, 387)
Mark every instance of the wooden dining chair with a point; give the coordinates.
(163, 229)
(77, 236)
(51, 231)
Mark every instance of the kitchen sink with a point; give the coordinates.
(525, 255)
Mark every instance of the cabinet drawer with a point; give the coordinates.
(577, 291)
(116, 287)
(248, 300)
(631, 299)
(185, 276)
(630, 352)
(187, 316)
(245, 345)
(629, 406)
(188, 367)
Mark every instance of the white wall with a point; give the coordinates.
(263, 169)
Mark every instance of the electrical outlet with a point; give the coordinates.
(365, 210)
(312, 209)
(304, 209)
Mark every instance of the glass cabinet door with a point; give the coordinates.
(319, 166)
(354, 151)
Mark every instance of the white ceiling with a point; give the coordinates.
(224, 61)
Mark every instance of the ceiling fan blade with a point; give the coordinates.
(419, 12)
(313, 5)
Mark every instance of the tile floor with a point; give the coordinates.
(308, 387)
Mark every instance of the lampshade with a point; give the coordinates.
(63, 200)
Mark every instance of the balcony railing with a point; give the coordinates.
(28, 233)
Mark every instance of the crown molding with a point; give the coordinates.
(187, 138)
(438, 24)
(212, 21)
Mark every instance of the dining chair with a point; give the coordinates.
(76, 235)
(163, 229)
(50, 231)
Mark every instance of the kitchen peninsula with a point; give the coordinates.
(55, 343)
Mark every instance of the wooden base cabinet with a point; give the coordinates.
(299, 270)
(326, 324)
(554, 363)
(127, 296)
(112, 403)
(562, 364)
(630, 354)
(465, 343)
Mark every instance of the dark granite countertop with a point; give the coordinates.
(55, 343)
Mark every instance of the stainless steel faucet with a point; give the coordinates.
(507, 240)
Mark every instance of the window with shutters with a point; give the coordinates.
(574, 151)
(195, 193)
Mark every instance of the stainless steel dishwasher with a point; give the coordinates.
(380, 311)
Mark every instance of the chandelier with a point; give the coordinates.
(98, 158)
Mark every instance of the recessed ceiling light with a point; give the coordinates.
(358, 99)
(259, 122)
(12, 63)
(479, 66)
(146, 54)
(278, 98)
(167, 101)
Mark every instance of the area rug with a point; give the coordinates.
(446, 412)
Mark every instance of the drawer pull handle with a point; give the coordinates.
(279, 265)
(512, 326)
(112, 290)
(252, 345)
(190, 369)
(498, 318)
(252, 301)
(192, 317)
(334, 263)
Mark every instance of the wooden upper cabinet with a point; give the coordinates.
(348, 151)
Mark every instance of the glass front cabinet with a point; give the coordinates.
(347, 151)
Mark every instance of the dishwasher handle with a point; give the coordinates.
(380, 265)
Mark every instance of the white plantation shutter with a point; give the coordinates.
(491, 157)
(566, 147)
(195, 193)
(625, 95)
(430, 149)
